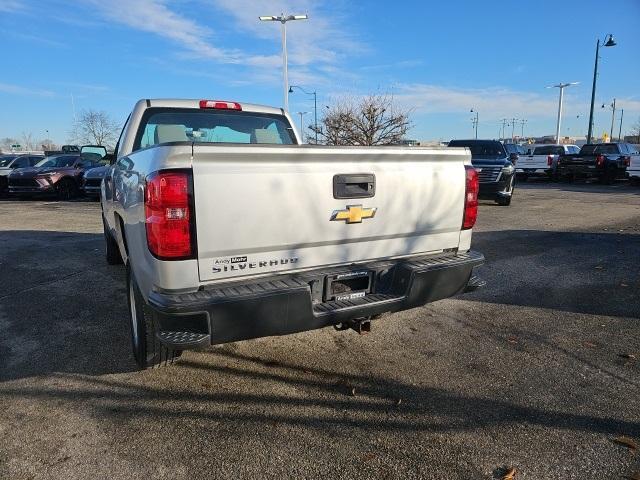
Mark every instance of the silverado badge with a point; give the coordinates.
(353, 214)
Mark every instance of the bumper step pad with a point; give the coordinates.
(183, 340)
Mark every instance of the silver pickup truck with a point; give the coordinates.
(230, 229)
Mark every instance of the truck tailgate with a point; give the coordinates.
(266, 209)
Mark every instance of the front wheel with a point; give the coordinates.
(609, 176)
(505, 200)
(66, 189)
(148, 352)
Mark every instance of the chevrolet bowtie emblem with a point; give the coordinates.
(353, 214)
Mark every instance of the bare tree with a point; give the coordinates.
(27, 140)
(95, 127)
(635, 130)
(371, 120)
(6, 143)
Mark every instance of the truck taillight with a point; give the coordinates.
(470, 198)
(220, 105)
(169, 217)
(627, 161)
(549, 160)
(600, 160)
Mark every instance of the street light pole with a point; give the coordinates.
(302, 114)
(475, 121)
(315, 106)
(283, 19)
(609, 43)
(561, 86)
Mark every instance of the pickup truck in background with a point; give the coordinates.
(633, 170)
(496, 168)
(541, 160)
(607, 162)
(229, 229)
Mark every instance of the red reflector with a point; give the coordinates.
(168, 215)
(627, 161)
(220, 104)
(470, 198)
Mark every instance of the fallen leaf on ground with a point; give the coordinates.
(512, 339)
(589, 344)
(630, 356)
(627, 442)
(599, 267)
(398, 401)
(510, 474)
(352, 392)
(624, 284)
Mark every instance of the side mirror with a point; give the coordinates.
(513, 157)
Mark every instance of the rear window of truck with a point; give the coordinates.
(163, 125)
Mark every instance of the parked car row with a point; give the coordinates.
(606, 162)
(499, 164)
(64, 175)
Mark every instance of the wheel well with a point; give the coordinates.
(120, 227)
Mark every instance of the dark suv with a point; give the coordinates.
(495, 166)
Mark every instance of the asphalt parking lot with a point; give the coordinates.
(535, 372)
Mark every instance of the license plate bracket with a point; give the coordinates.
(348, 285)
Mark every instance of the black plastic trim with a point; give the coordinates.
(285, 304)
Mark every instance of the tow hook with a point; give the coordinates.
(360, 325)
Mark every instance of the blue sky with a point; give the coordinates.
(438, 58)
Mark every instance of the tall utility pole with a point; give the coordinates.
(522, 122)
(620, 131)
(609, 43)
(513, 126)
(474, 121)
(302, 114)
(283, 19)
(504, 122)
(613, 118)
(561, 86)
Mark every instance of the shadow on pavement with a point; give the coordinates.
(592, 273)
(62, 308)
(328, 405)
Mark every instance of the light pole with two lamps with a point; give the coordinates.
(283, 19)
(561, 86)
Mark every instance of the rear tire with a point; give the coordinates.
(148, 352)
(609, 176)
(112, 252)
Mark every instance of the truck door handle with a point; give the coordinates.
(354, 185)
